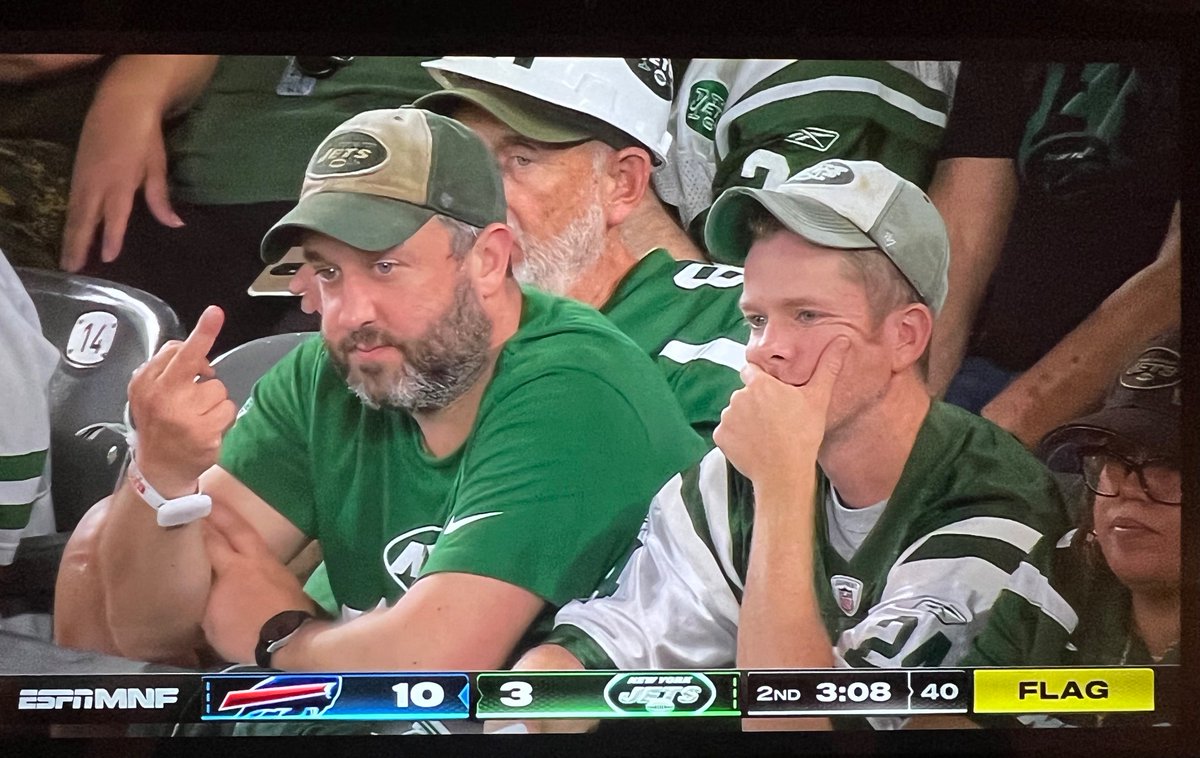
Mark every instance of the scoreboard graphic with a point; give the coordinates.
(519, 695)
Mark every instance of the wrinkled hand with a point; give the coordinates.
(249, 586)
(772, 430)
(304, 284)
(120, 150)
(179, 419)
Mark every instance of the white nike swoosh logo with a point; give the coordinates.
(452, 525)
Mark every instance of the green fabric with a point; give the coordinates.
(243, 143)
(574, 434)
(25, 466)
(923, 596)
(662, 301)
(15, 515)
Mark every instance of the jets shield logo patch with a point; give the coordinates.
(848, 592)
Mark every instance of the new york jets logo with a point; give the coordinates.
(405, 555)
(1156, 368)
(660, 692)
(347, 153)
(656, 74)
(706, 103)
(826, 172)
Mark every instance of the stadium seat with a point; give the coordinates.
(241, 367)
(104, 331)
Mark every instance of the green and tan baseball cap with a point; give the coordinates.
(381, 175)
(843, 204)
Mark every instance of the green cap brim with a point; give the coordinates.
(538, 122)
(367, 222)
(727, 231)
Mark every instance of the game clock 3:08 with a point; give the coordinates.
(855, 691)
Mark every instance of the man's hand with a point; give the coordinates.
(180, 412)
(249, 586)
(771, 430)
(121, 149)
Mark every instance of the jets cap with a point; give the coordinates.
(381, 175)
(1143, 408)
(843, 204)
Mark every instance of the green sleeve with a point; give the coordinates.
(579, 644)
(267, 449)
(558, 480)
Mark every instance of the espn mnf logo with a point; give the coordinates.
(96, 698)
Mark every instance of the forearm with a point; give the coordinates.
(1073, 377)
(165, 85)
(780, 624)
(17, 69)
(155, 581)
(975, 197)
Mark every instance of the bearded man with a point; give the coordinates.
(495, 454)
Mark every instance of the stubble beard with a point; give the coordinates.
(438, 368)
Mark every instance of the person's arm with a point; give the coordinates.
(1073, 377)
(771, 432)
(152, 582)
(19, 69)
(975, 197)
(121, 149)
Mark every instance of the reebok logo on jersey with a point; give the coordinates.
(814, 138)
(706, 103)
(848, 592)
(347, 153)
(827, 172)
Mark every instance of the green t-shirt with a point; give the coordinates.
(245, 142)
(575, 433)
(685, 315)
(970, 505)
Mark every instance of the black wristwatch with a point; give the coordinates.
(276, 633)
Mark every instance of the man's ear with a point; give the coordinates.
(490, 256)
(912, 328)
(627, 180)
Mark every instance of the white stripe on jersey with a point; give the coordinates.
(1030, 584)
(722, 351)
(672, 607)
(824, 84)
(939, 75)
(21, 491)
(1015, 533)
(714, 494)
(1065, 540)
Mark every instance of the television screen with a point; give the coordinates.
(665, 401)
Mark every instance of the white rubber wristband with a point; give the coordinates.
(175, 512)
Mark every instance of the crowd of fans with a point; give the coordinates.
(960, 313)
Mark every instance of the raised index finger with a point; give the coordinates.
(192, 357)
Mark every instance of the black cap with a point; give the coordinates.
(1142, 409)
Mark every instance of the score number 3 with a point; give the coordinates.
(516, 694)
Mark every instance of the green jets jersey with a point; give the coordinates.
(575, 433)
(756, 122)
(1075, 614)
(685, 315)
(970, 506)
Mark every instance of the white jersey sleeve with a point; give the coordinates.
(674, 604)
